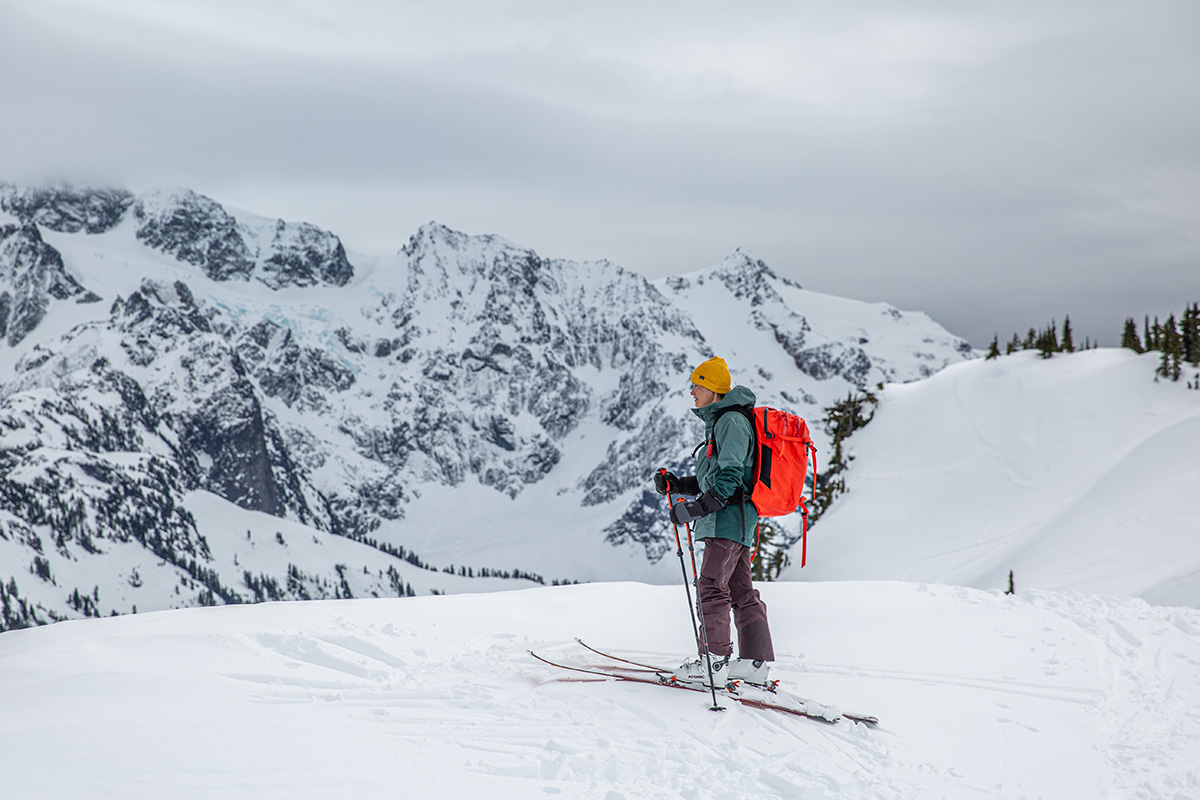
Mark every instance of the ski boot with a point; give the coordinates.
(695, 671)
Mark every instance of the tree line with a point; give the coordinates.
(1046, 341)
(1178, 342)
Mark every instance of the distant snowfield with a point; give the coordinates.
(1078, 472)
(980, 695)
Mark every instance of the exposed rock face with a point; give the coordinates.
(304, 255)
(194, 398)
(490, 335)
(199, 231)
(299, 376)
(196, 230)
(31, 277)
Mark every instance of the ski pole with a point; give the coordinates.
(699, 630)
(703, 631)
(683, 569)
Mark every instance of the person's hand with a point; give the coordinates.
(670, 483)
(665, 482)
(686, 511)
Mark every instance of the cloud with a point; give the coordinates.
(986, 163)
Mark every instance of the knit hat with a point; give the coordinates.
(713, 375)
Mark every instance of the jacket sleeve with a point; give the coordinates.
(733, 437)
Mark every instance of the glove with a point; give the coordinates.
(686, 511)
(668, 482)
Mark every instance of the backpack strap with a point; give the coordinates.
(740, 495)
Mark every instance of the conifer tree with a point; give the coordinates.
(841, 420)
(1047, 340)
(1129, 338)
(1014, 344)
(1171, 345)
(1190, 334)
(1030, 340)
(1068, 344)
(772, 556)
(994, 348)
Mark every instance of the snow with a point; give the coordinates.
(1078, 472)
(437, 697)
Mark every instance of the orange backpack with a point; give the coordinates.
(781, 458)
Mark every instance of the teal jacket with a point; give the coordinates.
(730, 468)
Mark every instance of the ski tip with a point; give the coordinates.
(871, 721)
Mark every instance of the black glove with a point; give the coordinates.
(668, 482)
(686, 511)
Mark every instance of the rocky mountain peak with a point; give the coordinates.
(200, 231)
(434, 235)
(747, 276)
(66, 208)
(195, 230)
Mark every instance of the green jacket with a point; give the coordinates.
(731, 467)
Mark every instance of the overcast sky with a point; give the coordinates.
(996, 164)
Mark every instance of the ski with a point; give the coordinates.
(611, 657)
(730, 689)
(770, 686)
(624, 675)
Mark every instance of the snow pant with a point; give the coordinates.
(725, 584)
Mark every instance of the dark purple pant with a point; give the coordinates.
(725, 584)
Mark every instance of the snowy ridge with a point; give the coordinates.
(438, 695)
(1075, 473)
(826, 338)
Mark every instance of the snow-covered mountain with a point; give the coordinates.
(1075, 473)
(201, 405)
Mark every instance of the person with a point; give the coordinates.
(726, 521)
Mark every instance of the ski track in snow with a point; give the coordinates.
(499, 726)
(438, 696)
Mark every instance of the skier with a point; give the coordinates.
(725, 520)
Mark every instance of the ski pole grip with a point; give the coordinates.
(662, 482)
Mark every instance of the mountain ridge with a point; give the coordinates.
(344, 392)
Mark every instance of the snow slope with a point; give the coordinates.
(1077, 472)
(437, 697)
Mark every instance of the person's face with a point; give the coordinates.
(702, 395)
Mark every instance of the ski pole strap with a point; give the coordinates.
(804, 535)
(813, 451)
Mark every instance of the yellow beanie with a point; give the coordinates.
(713, 374)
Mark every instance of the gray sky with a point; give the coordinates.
(993, 164)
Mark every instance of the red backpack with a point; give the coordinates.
(780, 464)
